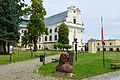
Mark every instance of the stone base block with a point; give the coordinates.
(64, 74)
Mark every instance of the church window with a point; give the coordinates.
(50, 30)
(39, 46)
(25, 31)
(45, 38)
(55, 29)
(39, 39)
(55, 37)
(50, 38)
(74, 21)
(22, 31)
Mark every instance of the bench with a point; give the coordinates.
(115, 65)
(55, 59)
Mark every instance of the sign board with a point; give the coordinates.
(11, 50)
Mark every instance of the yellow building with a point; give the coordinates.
(109, 45)
(92, 46)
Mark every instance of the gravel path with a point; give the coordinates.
(24, 70)
(106, 76)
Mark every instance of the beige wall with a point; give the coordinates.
(109, 44)
(92, 47)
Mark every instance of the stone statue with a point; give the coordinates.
(64, 65)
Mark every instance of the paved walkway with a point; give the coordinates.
(106, 76)
(23, 70)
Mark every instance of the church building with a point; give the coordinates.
(71, 17)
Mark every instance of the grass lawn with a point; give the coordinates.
(86, 66)
(24, 55)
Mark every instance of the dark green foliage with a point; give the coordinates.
(10, 12)
(67, 46)
(62, 46)
(63, 34)
(25, 39)
(63, 40)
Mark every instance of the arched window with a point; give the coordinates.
(50, 38)
(98, 49)
(25, 31)
(117, 49)
(104, 49)
(39, 46)
(55, 38)
(39, 39)
(45, 38)
(110, 43)
(98, 43)
(55, 29)
(74, 21)
(111, 49)
(22, 31)
(50, 30)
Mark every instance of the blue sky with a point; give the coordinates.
(91, 12)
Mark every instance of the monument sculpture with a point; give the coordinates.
(65, 65)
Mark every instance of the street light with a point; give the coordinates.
(75, 41)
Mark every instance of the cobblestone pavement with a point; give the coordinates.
(106, 76)
(24, 70)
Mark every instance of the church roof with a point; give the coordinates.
(48, 21)
(56, 18)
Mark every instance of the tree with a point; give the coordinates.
(36, 25)
(63, 34)
(62, 46)
(67, 46)
(10, 12)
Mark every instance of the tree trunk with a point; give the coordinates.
(4, 47)
(8, 47)
(35, 46)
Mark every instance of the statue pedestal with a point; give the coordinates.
(64, 74)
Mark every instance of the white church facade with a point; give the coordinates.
(71, 17)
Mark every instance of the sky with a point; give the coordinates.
(91, 12)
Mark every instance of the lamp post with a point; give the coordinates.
(83, 46)
(75, 41)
